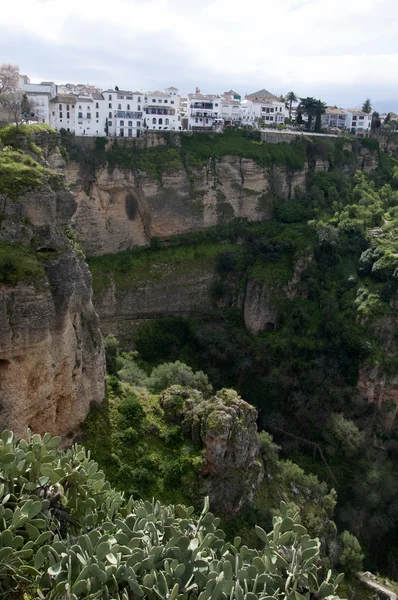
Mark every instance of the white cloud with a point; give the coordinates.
(273, 43)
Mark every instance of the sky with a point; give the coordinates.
(340, 51)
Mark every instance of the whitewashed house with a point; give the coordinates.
(230, 111)
(62, 112)
(204, 111)
(123, 113)
(162, 110)
(334, 117)
(39, 94)
(358, 122)
(263, 108)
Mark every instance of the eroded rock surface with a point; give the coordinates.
(52, 364)
(225, 425)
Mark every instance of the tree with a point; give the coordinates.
(12, 104)
(376, 122)
(308, 106)
(321, 109)
(116, 88)
(9, 78)
(289, 99)
(387, 119)
(367, 106)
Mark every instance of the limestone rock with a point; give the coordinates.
(225, 425)
(52, 363)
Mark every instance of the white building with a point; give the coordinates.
(82, 115)
(162, 110)
(39, 94)
(334, 117)
(358, 122)
(204, 111)
(123, 113)
(263, 108)
(230, 111)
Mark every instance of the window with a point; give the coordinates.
(121, 133)
(271, 118)
(97, 115)
(109, 105)
(354, 118)
(130, 123)
(216, 105)
(196, 120)
(165, 101)
(171, 101)
(138, 123)
(130, 133)
(128, 106)
(80, 107)
(139, 99)
(60, 107)
(68, 115)
(110, 123)
(272, 110)
(119, 106)
(110, 97)
(122, 123)
(110, 115)
(139, 107)
(67, 107)
(60, 115)
(361, 118)
(88, 115)
(153, 100)
(73, 106)
(160, 121)
(97, 121)
(267, 118)
(80, 115)
(166, 121)
(153, 121)
(96, 105)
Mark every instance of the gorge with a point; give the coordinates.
(269, 267)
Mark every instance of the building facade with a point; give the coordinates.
(204, 112)
(334, 117)
(162, 110)
(358, 122)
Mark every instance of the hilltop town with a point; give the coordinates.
(86, 110)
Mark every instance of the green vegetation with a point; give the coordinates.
(19, 263)
(338, 242)
(66, 533)
(9, 135)
(197, 150)
(20, 173)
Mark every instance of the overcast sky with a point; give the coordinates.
(338, 50)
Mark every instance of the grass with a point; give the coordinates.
(20, 173)
(134, 267)
(9, 133)
(19, 263)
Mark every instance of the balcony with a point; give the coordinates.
(128, 114)
(209, 114)
(202, 105)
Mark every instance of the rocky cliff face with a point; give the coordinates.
(225, 426)
(51, 355)
(119, 209)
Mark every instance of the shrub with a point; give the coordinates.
(351, 556)
(177, 373)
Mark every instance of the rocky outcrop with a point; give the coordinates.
(225, 425)
(259, 312)
(52, 363)
(119, 209)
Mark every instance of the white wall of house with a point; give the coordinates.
(62, 112)
(271, 111)
(40, 95)
(358, 122)
(162, 110)
(204, 112)
(334, 118)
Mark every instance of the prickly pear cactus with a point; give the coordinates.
(65, 534)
